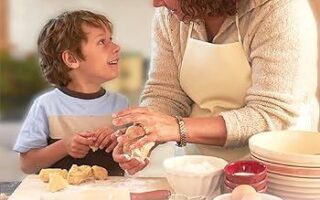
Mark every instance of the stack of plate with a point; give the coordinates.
(292, 159)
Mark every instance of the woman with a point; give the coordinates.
(222, 71)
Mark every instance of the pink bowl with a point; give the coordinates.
(258, 186)
(245, 172)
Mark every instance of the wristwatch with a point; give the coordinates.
(182, 132)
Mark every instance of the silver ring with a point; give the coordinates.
(145, 129)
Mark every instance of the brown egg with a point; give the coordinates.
(251, 196)
(241, 190)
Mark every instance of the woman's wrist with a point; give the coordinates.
(182, 132)
(175, 134)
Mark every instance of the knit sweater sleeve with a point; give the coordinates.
(162, 91)
(279, 54)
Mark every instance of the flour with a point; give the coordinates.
(194, 168)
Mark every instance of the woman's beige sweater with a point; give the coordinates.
(280, 41)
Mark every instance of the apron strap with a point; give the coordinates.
(190, 29)
(237, 24)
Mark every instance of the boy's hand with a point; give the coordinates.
(78, 145)
(106, 139)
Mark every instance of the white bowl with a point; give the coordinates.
(262, 195)
(194, 175)
(296, 148)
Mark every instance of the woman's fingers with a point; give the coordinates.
(118, 155)
(131, 110)
(138, 167)
(133, 118)
(129, 165)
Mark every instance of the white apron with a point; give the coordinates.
(216, 77)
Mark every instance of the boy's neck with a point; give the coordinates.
(87, 88)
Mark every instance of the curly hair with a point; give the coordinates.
(199, 9)
(65, 33)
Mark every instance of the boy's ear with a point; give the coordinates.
(70, 60)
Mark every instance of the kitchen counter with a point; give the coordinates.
(32, 188)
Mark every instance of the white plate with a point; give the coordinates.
(293, 181)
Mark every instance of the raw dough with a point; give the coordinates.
(139, 153)
(94, 149)
(142, 153)
(44, 173)
(56, 182)
(99, 173)
(79, 175)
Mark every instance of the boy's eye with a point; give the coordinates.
(102, 42)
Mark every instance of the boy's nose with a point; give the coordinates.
(116, 48)
(158, 3)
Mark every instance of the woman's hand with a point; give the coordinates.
(157, 127)
(131, 166)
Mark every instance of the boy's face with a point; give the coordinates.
(101, 56)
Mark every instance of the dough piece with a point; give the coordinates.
(142, 153)
(79, 175)
(56, 182)
(99, 173)
(93, 149)
(44, 173)
(139, 153)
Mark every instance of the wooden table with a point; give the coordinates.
(32, 188)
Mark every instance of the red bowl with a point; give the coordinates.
(258, 186)
(245, 172)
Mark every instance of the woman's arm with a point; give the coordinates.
(282, 52)
(162, 91)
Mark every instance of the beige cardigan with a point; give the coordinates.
(280, 41)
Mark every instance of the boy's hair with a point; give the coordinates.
(65, 33)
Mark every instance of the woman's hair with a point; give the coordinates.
(65, 33)
(199, 9)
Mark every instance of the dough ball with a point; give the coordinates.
(79, 175)
(139, 153)
(99, 173)
(44, 173)
(56, 182)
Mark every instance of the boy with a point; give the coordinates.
(77, 55)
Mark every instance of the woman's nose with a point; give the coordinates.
(158, 3)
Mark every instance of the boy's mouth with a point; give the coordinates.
(113, 62)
